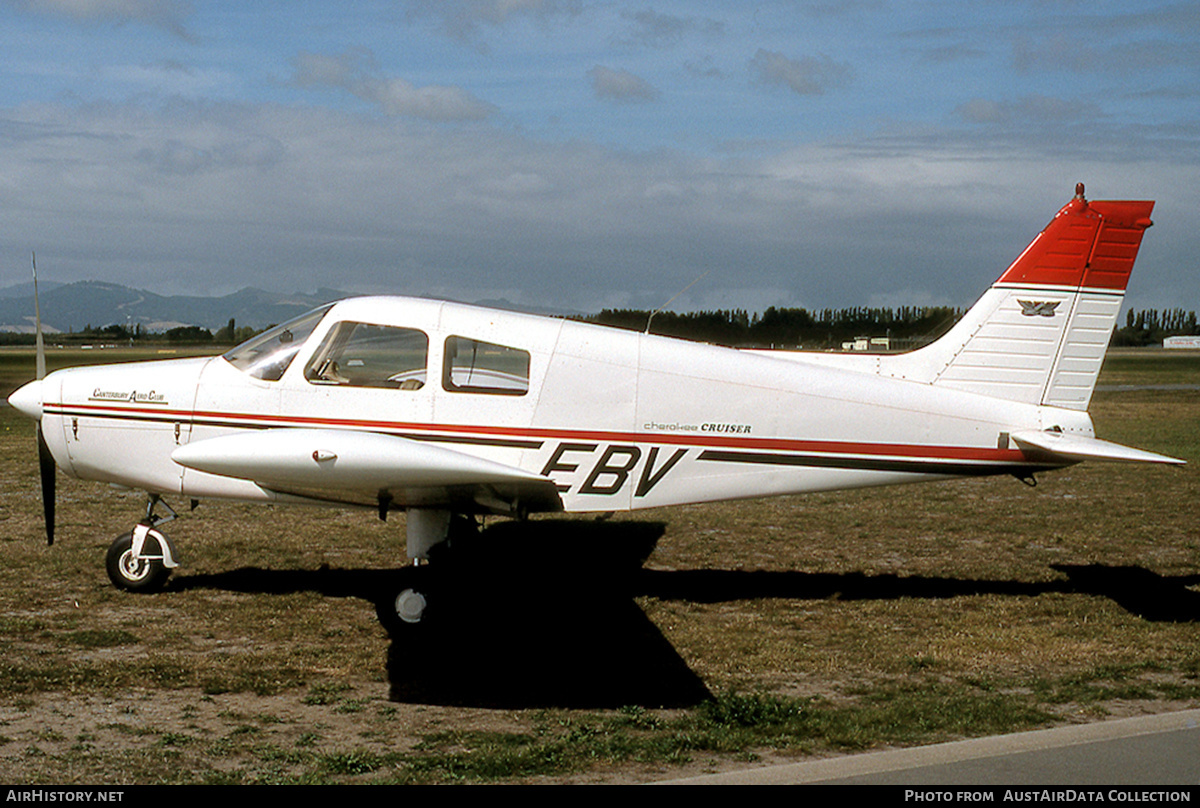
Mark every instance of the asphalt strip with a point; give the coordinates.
(1146, 750)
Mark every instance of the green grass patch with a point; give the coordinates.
(100, 638)
(327, 693)
(735, 724)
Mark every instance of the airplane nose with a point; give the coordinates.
(28, 400)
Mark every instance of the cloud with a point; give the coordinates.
(464, 20)
(1065, 52)
(194, 197)
(1119, 44)
(355, 72)
(655, 30)
(399, 97)
(809, 75)
(195, 155)
(168, 77)
(842, 8)
(165, 14)
(620, 85)
(946, 54)
(1038, 109)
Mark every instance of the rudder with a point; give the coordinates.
(1039, 334)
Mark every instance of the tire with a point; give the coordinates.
(147, 576)
(403, 604)
(403, 613)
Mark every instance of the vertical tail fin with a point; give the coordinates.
(1039, 334)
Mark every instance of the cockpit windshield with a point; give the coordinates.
(268, 355)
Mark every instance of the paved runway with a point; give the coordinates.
(1158, 750)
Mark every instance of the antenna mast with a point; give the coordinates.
(650, 319)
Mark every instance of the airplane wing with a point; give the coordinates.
(370, 468)
(1078, 447)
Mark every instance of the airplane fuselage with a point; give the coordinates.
(617, 420)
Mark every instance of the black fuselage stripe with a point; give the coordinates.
(955, 468)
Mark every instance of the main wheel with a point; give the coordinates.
(403, 612)
(141, 575)
(402, 606)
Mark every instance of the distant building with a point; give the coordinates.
(1182, 342)
(867, 344)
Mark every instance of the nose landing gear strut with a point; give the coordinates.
(142, 559)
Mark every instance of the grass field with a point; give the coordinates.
(752, 631)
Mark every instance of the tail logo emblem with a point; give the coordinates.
(1035, 308)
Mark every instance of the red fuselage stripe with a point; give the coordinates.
(235, 419)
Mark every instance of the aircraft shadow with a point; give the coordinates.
(539, 614)
(1146, 594)
(542, 614)
(1150, 596)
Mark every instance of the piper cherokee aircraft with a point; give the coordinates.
(449, 411)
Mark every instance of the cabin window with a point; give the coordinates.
(268, 355)
(365, 355)
(473, 366)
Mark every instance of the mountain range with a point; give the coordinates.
(75, 306)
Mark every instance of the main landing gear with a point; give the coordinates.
(142, 559)
(403, 609)
(406, 606)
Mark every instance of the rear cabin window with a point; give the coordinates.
(473, 366)
(364, 355)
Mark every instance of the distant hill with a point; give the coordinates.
(75, 306)
(26, 289)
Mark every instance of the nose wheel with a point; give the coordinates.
(142, 571)
(142, 559)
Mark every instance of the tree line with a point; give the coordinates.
(906, 326)
(1151, 327)
(229, 334)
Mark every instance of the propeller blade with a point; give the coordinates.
(47, 468)
(45, 459)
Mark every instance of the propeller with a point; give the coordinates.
(46, 466)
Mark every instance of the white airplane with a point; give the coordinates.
(449, 411)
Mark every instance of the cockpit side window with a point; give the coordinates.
(364, 355)
(473, 366)
(268, 355)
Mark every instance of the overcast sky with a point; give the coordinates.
(582, 154)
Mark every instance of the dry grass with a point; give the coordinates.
(808, 625)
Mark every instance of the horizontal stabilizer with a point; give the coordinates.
(333, 460)
(1080, 447)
